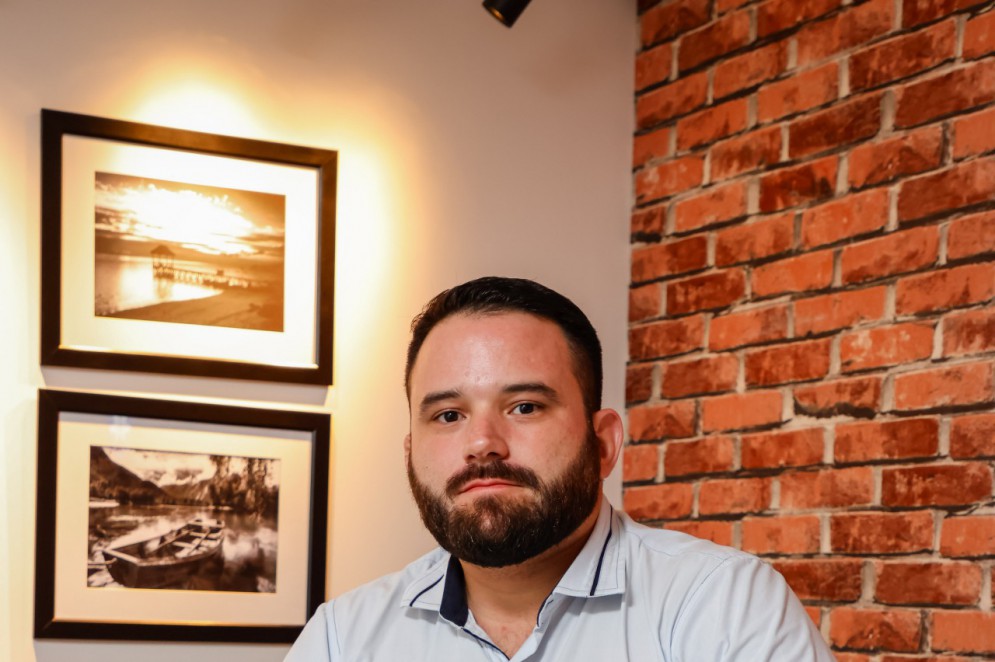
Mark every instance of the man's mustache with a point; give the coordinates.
(497, 470)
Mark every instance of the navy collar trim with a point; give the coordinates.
(454, 608)
(601, 559)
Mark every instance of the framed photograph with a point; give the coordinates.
(162, 520)
(188, 253)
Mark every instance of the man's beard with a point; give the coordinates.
(494, 532)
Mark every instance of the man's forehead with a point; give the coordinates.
(493, 340)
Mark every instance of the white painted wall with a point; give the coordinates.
(465, 149)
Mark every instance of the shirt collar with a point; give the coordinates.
(598, 570)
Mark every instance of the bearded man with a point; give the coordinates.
(506, 454)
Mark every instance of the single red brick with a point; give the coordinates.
(714, 40)
(671, 420)
(968, 183)
(857, 657)
(777, 15)
(749, 69)
(830, 312)
(647, 147)
(887, 440)
(838, 125)
(894, 253)
(971, 235)
(811, 271)
(965, 384)
(781, 364)
(748, 328)
(702, 456)
(640, 462)
(973, 436)
(653, 66)
(797, 534)
(735, 495)
(886, 346)
(805, 90)
(797, 185)
(874, 629)
(963, 631)
(936, 485)
(638, 383)
(670, 19)
(707, 292)
(758, 239)
(975, 133)
(931, 658)
(971, 332)
(712, 374)
(668, 178)
(678, 98)
(739, 411)
(968, 536)
(845, 397)
(908, 154)
(881, 533)
(948, 288)
(902, 56)
(828, 488)
(852, 216)
(830, 580)
(716, 204)
(669, 501)
(713, 123)
(915, 12)
(794, 448)
(667, 338)
(669, 259)
(951, 92)
(750, 151)
(718, 532)
(648, 222)
(979, 35)
(723, 6)
(855, 25)
(644, 302)
(905, 583)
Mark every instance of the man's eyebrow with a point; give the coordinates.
(533, 387)
(436, 396)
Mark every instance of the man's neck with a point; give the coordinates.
(505, 601)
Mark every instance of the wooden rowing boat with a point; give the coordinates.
(170, 559)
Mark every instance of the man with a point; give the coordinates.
(506, 454)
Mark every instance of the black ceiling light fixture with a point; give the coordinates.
(506, 11)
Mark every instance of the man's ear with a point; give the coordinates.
(608, 428)
(407, 446)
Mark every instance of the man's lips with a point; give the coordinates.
(486, 483)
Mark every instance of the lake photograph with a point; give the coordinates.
(193, 521)
(188, 253)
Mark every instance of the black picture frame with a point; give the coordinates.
(55, 408)
(309, 365)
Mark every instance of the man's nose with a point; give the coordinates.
(486, 439)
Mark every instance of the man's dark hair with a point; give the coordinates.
(495, 294)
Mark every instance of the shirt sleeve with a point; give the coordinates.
(742, 612)
(318, 642)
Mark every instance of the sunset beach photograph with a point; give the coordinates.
(188, 253)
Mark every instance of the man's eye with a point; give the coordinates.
(448, 416)
(525, 408)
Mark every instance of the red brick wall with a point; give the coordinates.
(812, 328)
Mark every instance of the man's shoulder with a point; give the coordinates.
(666, 556)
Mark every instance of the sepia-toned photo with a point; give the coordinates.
(187, 253)
(182, 521)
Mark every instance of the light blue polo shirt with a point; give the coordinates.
(633, 593)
